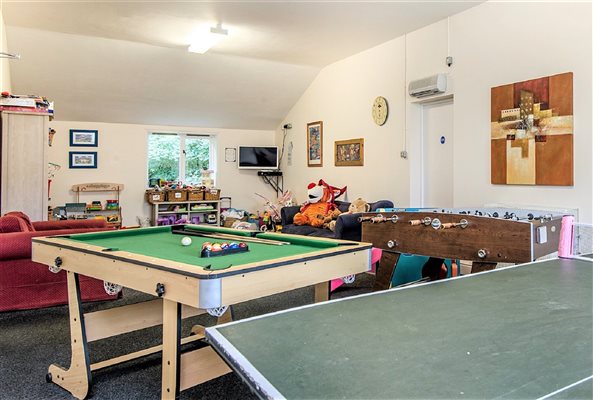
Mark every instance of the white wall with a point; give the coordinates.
(492, 44)
(342, 96)
(499, 43)
(122, 158)
(5, 84)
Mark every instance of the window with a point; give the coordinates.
(180, 156)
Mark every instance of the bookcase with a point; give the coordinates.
(194, 211)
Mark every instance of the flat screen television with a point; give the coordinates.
(258, 157)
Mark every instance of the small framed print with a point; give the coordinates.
(230, 154)
(315, 144)
(84, 138)
(83, 159)
(349, 152)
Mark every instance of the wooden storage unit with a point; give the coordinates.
(23, 181)
(114, 188)
(163, 209)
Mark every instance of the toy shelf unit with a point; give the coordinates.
(192, 211)
(108, 209)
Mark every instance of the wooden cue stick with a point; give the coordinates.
(233, 237)
(248, 239)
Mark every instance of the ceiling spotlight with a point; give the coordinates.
(203, 41)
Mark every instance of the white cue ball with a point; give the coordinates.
(186, 241)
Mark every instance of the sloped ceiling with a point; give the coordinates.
(128, 62)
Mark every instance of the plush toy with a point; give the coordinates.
(320, 204)
(330, 220)
(357, 206)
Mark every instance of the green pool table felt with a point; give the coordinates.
(161, 243)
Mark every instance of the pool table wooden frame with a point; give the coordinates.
(188, 291)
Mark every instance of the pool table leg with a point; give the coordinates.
(321, 292)
(77, 378)
(171, 349)
(226, 317)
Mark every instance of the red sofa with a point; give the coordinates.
(25, 284)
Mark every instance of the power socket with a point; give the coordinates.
(403, 154)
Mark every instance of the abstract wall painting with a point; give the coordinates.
(532, 132)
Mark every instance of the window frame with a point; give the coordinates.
(183, 136)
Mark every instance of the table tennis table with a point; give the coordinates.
(518, 332)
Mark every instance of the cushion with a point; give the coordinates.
(9, 224)
(24, 221)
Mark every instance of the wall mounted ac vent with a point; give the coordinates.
(428, 86)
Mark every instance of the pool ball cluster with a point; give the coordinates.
(223, 249)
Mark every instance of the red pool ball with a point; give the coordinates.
(242, 244)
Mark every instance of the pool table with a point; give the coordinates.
(154, 261)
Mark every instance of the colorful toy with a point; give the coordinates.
(94, 206)
(320, 205)
(111, 205)
(274, 208)
(186, 241)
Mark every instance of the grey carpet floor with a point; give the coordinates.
(31, 340)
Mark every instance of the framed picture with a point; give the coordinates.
(315, 144)
(230, 154)
(83, 159)
(349, 152)
(86, 138)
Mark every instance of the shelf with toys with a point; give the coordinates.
(111, 210)
(176, 203)
(187, 211)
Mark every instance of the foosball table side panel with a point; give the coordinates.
(483, 239)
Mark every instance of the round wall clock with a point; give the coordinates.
(380, 110)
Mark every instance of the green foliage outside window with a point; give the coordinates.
(197, 158)
(163, 157)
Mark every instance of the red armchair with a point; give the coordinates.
(25, 284)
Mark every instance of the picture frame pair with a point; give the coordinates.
(83, 138)
(346, 152)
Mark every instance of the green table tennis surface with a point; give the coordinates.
(514, 333)
(161, 243)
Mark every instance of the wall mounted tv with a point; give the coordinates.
(258, 157)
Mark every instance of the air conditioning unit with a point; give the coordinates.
(428, 86)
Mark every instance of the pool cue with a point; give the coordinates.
(247, 239)
(229, 237)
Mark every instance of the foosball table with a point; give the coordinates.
(484, 236)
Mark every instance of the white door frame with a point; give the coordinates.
(415, 139)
